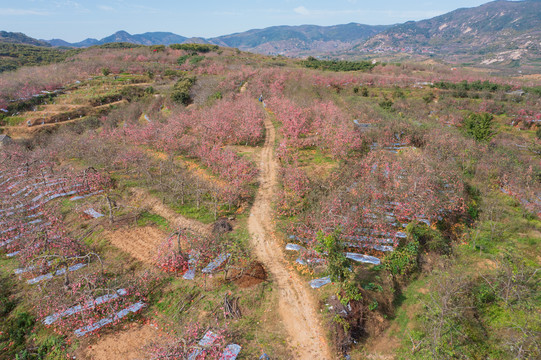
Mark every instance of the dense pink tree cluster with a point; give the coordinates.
(32, 231)
(205, 135)
(372, 200)
(295, 187)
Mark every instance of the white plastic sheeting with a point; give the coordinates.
(231, 352)
(56, 273)
(93, 213)
(216, 263)
(317, 283)
(192, 264)
(87, 305)
(363, 258)
(80, 197)
(108, 320)
(295, 247)
(207, 340)
(27, 269)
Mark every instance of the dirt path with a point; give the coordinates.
(297, 308)
(143, 199)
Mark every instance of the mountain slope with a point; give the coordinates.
(20, 38)
(295, 40)
(492, 29)
(148, 38)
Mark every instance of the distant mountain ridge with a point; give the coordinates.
(295, 40)
(496, 32)
(287, 40)
(148, 38)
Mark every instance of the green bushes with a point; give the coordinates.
(193, 58)
(403, 261)
(386, 104)
(14, 333)
(200, 48)
(486, 315)
(428, 98)
(337, 65)
(479, 126)
(182, 59)
(158, 48)
(181, 90)
(428, 237)
(12, 56)
(131, 93)
(338, 264)
(363, 91)
(172, 73)
(6, 302)
(474, 85)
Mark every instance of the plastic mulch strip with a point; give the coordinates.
(90, 304)
(108, 320)
(317, 283)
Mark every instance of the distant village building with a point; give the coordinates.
(5, 140)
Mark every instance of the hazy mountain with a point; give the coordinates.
(148, 38)
(287, 40)
(159, 38)
(497, 31)
(58, 42)
(87, 42)
(294, 40)
(20, 38)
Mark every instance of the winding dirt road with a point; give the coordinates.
(296, 305)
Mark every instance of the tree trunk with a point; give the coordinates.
(110, 209)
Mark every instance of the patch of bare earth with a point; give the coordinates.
(143, 199)
(250, 276)
(142, 242)
(296, 305)
(382, 347)
(124, 345)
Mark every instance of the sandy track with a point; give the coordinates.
(145, 200)
(296, 306)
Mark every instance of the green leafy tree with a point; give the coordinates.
(479, 126)
(181, 90)
(338, 264)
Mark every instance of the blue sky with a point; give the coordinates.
(75, 20)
